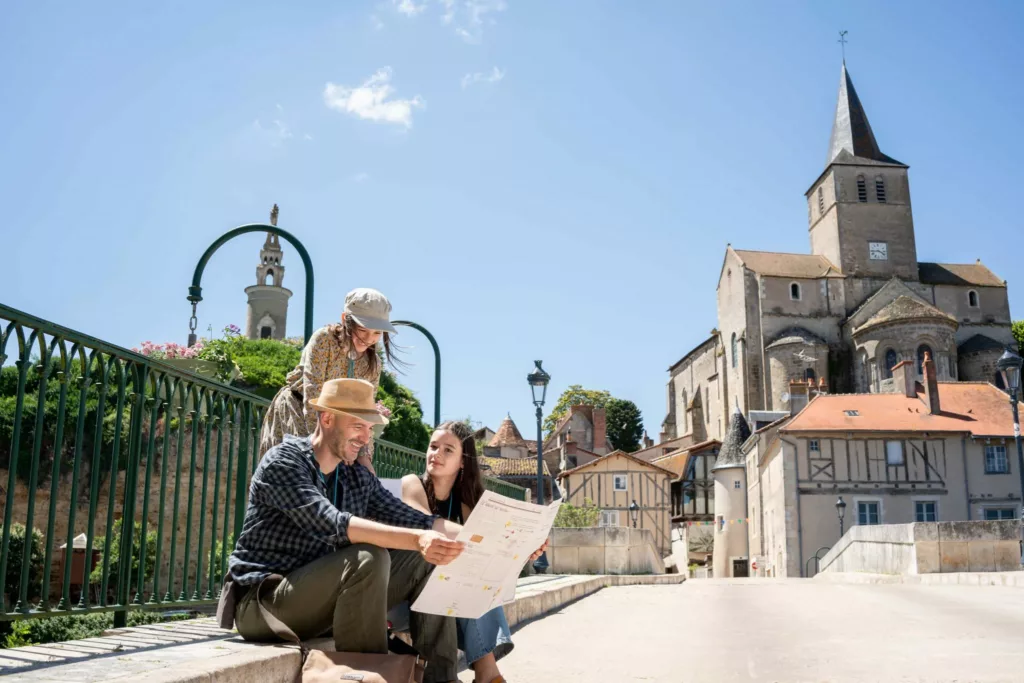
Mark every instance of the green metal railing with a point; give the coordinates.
(93, 435)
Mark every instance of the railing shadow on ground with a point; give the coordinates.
(92, 434)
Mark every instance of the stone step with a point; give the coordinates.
(196, 651)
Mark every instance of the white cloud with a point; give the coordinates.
(449, 11)
(371, 100)
(307, 136)
(376, 23)
(360, 177)
(494, 76)
(274, 134)
(474, 16)
(408, 7)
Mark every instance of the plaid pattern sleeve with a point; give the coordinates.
(383, 507)
(289, 522)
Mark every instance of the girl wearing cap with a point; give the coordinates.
(339, 350)
(450, 488)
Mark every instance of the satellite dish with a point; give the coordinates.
(785, 397)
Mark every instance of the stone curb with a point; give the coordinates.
(216, 656)
(1014, 579)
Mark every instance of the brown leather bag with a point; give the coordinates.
(324, 667)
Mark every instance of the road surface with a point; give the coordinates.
(775, 630)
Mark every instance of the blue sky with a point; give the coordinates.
(553, 180)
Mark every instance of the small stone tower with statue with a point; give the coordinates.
(267, 314)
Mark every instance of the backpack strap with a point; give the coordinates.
(279, 628)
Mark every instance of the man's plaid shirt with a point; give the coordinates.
(291, 521)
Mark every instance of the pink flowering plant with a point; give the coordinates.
(383, 409)
(170, 350)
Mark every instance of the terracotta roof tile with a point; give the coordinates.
(977, 408)
(958, 274)
(905, 308)
(788, 265)
(511, 467)
(508, 435)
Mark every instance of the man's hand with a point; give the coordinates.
(437, 549)
(539, 552)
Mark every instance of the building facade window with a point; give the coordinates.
(972, 299)
(996, 514)
(810, 375)
(922, 351)
(266, 333)
(794, 291)
(814, 446)
(619, 482)
(821, 201)
(609, 518)
(926, 511)
(869, 513)
(880, 189)
(862, 189)
(683, 410)
(736, 484)
(894, 452)
(995, 460)
(891, 360)
(734, 347)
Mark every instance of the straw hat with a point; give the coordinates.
(352, 397)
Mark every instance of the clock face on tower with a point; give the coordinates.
(878, 251)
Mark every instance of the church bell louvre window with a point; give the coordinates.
(821, 201)
(862, 189)
(794, 291)
(880, 189)
(734, 349)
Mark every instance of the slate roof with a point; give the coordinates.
(905, 308)
(977, 408)
(976, 274)
(731, 455)
(980, 342)
(851, 132)
(807, 266)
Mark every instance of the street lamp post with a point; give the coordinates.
(1009, 365)
(538, 380)
(634, 512)
(841, 512)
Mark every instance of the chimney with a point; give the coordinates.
(931, 385)
(797, 396)
(903, 376)
(600, 432)
(648, 441)
(822, 386)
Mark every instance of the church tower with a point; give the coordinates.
(859, 208)
(267, 314)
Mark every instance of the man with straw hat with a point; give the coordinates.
(318, 557)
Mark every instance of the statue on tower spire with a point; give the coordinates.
(273, 216)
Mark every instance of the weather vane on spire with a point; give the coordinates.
(842, 43)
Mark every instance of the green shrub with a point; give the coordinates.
(16, 553)
(76, 627)
(572, 517)
(114, 567)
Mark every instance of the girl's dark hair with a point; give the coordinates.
(344, 331)
(469, 481)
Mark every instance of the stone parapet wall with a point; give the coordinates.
(927, 548)
(604, 550)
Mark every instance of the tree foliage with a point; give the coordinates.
(573, 396)
(1018, 334)
(15, 555)
(114, 566)
(577, 517)
(405, 426)
(625, 425)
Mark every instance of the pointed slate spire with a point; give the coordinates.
(730, 454)
(851, 131)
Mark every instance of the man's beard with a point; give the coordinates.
(338, 447)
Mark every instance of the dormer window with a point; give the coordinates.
(880, 189)
(794, 291)
(821, 201)
(972, 299)
(862, 189)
